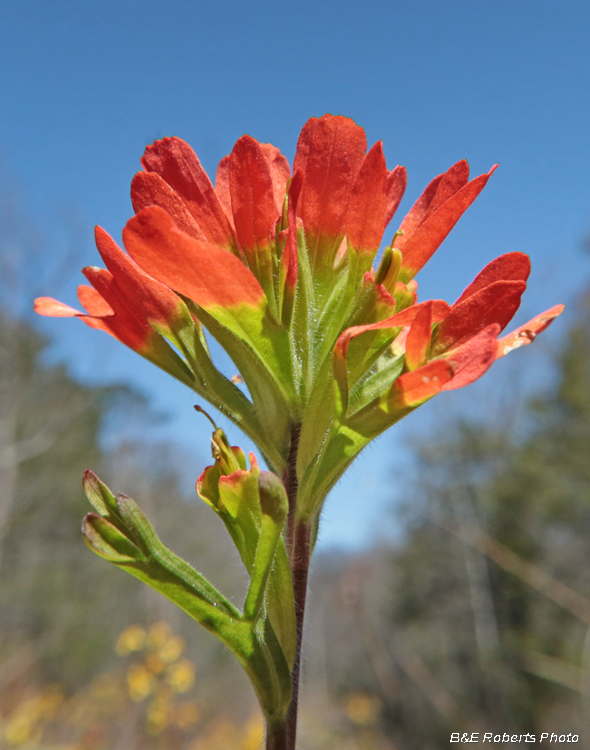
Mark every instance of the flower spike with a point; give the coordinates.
(278, 269)
(330, 352)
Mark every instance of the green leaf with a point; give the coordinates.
(134, 546)
(261, 657)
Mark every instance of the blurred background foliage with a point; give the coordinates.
(476, 617)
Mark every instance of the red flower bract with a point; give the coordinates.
(278, 267)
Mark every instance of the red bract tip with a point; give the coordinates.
(434, 215)
(364, 223)
(205, 273)
(254, 208)
(330, 152)
(178, 165)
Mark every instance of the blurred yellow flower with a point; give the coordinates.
(49, 701)
(18, 729)
(155, 663)
(172, 649)
(157, 635)
(140, 683)
(181, 676)
(362, 709)
(131, 639)
(26, 723)
(160, 714)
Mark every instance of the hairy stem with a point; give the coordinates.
(276, 737)
(292, 486)
(298, 534)
(299, 570)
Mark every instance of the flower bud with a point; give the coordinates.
(273, 497)
(388, 270)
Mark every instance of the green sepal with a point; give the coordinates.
(373, 303)
(354, 373)
(333, 318)
(98, 494)
(270, 532)
(379, 379)
(280, 603)
(108, 542)
(301, 328)
(236, 498)
(274, 507)
(389, 268)
(403, 296)
(318, 419)
(359, 263)
(272, 397)
(160, 353)
(239, 507)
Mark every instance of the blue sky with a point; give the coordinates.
(84, 87)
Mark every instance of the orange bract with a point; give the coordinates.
(279, 268)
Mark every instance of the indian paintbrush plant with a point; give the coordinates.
(277, 266)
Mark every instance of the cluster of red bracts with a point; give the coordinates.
(233, 251)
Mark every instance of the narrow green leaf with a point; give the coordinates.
(261, 657)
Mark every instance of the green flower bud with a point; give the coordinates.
(273, 497)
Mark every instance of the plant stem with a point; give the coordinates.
(298, 534)
(276, 737)
(299, 570)
(292, 486)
